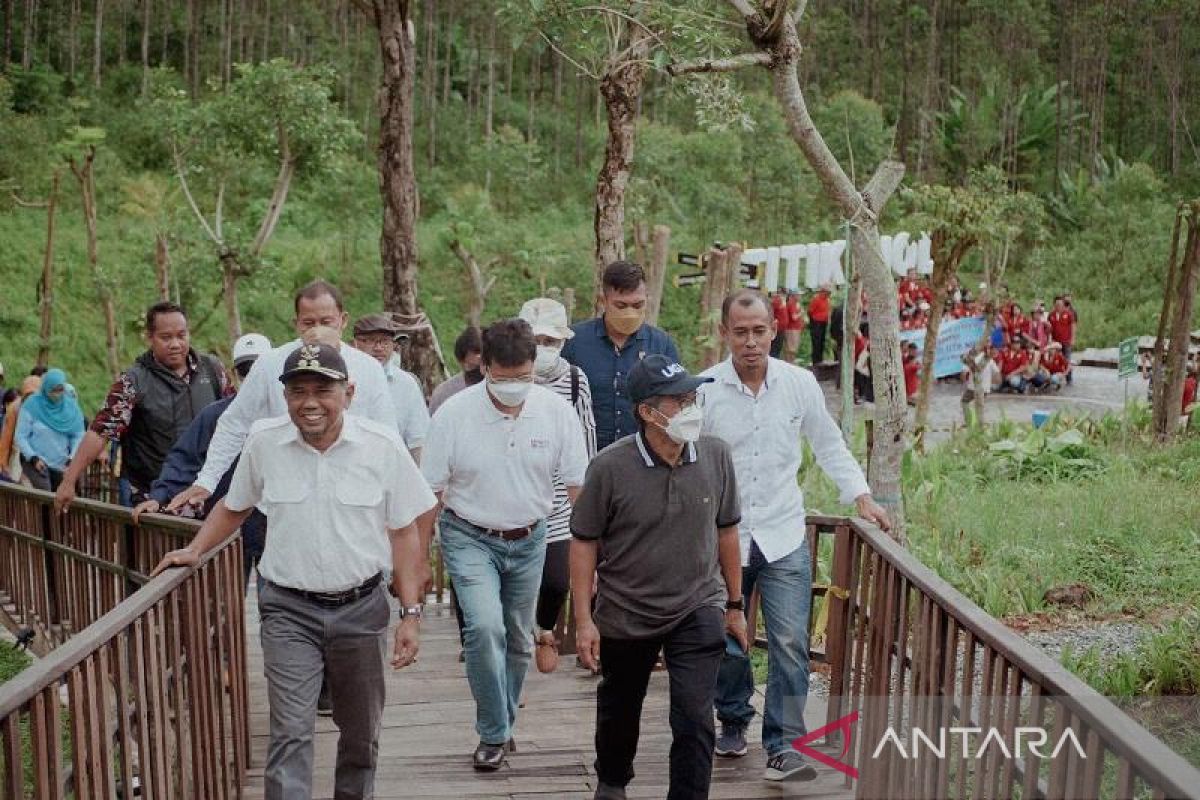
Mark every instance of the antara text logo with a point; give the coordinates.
(974, 743)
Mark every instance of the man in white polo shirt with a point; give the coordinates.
(491, 456)
(762, 407)
(318, 304)
(341, 496)
(375, 335)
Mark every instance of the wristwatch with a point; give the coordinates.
(412, 611)
(735, 605)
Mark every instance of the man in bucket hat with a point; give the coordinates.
(657, 522)
(341, 496)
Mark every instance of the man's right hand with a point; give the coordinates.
(64, 496)
(145, 507)
(194, 495)
(587, 644)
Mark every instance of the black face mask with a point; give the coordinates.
(473, 376)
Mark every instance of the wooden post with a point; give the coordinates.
(656, 271)
(1169, 393)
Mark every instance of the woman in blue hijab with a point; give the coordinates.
(49, 430)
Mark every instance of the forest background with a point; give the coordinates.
(1087, 106)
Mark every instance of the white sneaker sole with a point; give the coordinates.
(805, 772)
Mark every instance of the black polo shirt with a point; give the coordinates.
(657, 528)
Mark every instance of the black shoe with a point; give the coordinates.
(488, 757)
(324, 705)
(606, 791)
(789, 765)
(731, 743)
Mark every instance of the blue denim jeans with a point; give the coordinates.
(496, 583)
(785, 594)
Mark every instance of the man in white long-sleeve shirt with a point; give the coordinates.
(261, 395)
(762, 407)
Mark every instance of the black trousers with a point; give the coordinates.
(693, 651)
(817, 331)
(556, 582)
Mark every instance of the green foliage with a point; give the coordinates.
(1165, 662)
(1038, 457)
(983, 211)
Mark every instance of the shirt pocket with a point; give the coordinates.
(284, 491)
(359, 491)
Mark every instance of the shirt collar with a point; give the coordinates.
(350, 433)
(652, 459)
(724, 372)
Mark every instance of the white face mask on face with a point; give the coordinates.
(547, 358)
(685, 426)
(509, 393)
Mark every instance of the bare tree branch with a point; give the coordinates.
(743, 7)
(27, 203)
(798, 14)
(187, 193)
(729, 64)
(883, 184)
(563, 55)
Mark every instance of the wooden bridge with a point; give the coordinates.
(154, 688)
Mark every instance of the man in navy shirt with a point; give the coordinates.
(607, 347)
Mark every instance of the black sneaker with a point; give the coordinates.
(789, 765)
(731, 743)
(606, 791)
(488, 757)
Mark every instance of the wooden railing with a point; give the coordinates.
(907, 650)
(144, 690)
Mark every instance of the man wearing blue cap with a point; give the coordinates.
(341, 495)
(657, 521)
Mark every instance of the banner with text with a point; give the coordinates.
(955, 338)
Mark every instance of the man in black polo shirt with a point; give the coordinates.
(657, 520)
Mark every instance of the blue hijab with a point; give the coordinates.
(61, 414)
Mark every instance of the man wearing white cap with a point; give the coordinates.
(551, 329)
(187, 456)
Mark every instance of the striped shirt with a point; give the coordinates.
(558, 524)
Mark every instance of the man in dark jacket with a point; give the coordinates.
(186, 458)
(150, 405)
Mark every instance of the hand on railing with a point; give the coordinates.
(64, 496)
(408, 642)
(187, 557)
(871, 511)
(151, 506)
(194, 495)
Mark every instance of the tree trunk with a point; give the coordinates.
(431, 79)
(1169, 393)
(620, 88)
(722, 278)
(6, 36)
(146, 46)
(98, 43)
(1164, 322)
(27, 35)
(86, 177)
(478, 284)
(46, 287)
(656, 271)
(862, 209)
(162, 266)
(946, 260)
(398, 185)
(230, 271)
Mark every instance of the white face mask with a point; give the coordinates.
(547, 358)
(685, 426)
(509, 393)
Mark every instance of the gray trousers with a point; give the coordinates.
(302, 642)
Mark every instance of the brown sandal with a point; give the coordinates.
(546, 654)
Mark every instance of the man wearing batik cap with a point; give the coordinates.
(376, 335)
(341, 495)
(657, 521)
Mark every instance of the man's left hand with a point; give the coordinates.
(735, 626)
(408, 642)
(871, 511)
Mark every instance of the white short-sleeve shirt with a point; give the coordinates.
(411, 412)
(261, 397)
(496, 470)
(328, 512)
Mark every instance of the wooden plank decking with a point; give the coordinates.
(428, 735)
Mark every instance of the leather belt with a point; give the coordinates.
(510, 535)
(336, 599)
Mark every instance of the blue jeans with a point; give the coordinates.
(785, 594)
(496, 583)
